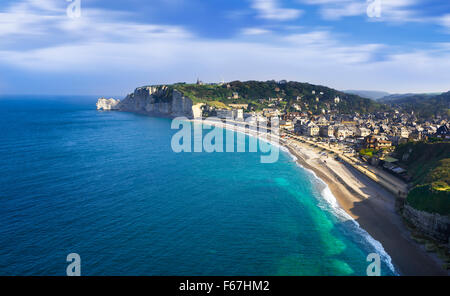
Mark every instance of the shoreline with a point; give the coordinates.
(370, 205)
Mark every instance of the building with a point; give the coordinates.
(343, 132)
(443, 132)
(404, 132)
(287, 124)
(415, 135)
(312, 129)
(298, 127)
(291, 115)
(269, 112)
(238, 114)
(327, 131)
(235, 114)
(224, 114)
(322, 120)
(238, 106)
(362, 132)
(376, 142)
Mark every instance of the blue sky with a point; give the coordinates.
(115, 46)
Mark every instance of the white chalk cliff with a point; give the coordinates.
(156, 101)
(107, 104)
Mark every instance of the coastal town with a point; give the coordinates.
(341, 147)
(365, 141)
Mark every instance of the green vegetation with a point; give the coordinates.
(425, 198)
(204, 93)
(367, 152)
(422, 158)
(429, 166)
(259, 95)
(217, 104)
(423, 105)
(440, 176)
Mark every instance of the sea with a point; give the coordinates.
(109, 187)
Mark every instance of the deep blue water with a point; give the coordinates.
(106, 185)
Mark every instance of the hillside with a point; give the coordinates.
(423, 105)
(429, 166)
(261, 95)
(371, 94)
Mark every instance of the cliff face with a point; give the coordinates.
(160, 101)
(433, 225)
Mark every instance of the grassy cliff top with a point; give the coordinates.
(257, 93)
(429, 166)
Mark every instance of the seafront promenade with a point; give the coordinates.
(391, 183)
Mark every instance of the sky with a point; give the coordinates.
(110, 47)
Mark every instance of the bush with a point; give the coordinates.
(424, 198)
(367, 152)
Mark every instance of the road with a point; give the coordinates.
(393, 184)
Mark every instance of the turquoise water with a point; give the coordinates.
(106, 185)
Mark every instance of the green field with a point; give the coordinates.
(429, 166)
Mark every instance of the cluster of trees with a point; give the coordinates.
(423, 105)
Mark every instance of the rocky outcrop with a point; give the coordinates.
(107, 104)
(197, 110)
(433, 225)
(159, 101)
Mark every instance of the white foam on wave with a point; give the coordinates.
(336, 209)
(342, 214)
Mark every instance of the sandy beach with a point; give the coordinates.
(372, 207)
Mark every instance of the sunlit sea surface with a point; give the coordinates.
(108, 186)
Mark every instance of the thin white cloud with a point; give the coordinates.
(445, 21)
(345, 9)
(255, 31)
(30, 17)
(46, 20)
(271, 10)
